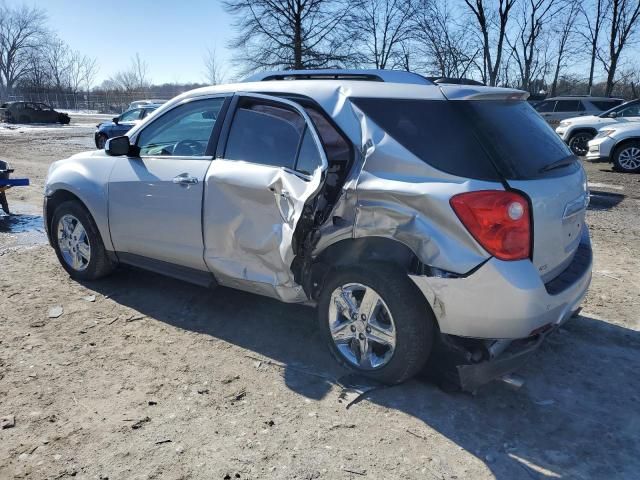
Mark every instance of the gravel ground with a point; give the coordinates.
(141, 376)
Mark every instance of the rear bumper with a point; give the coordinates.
(507, 300)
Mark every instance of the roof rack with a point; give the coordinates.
(392, 76)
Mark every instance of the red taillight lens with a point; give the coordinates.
(498, 220)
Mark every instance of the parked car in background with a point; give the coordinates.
(410, 213)
(142, 103)
(618, 144)
(555, 109)
(578, 131)
(121, 124)
(31, 112)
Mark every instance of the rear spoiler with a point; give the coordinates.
(454, 92)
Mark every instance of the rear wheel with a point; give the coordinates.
(579, 143)
(78, 244)
(376, 322)
(626, 157)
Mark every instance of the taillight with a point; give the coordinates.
(498, 220)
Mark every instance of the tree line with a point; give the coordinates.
(529, 44)
(555, 46)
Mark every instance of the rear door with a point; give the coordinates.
(270, 164)
(565, 109)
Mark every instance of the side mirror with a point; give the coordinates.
(613, 115)
(117, 146)
(115, 120)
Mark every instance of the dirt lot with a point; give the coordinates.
(146, 377)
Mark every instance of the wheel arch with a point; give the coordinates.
(578, 130)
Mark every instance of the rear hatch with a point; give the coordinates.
(534, 160)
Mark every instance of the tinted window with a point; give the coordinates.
(265, 134)
(309, 157)
(130, 116)
(519, 140)
(545, 107)
(433, 130)
(182, 131)
(630, 111)
(605, 104)
(569, 106)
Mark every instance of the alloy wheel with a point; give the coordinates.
(629, 158)
(361, 326)
(579, 143)
(73, 242)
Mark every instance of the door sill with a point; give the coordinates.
(179, 272)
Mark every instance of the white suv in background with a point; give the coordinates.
(577, 131)
(618, 144)
(556, 109)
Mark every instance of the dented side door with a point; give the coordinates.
(252, 205)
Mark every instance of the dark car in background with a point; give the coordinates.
(31, 112)
(121, 124)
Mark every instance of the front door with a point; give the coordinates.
(270, 166)
(155, 199)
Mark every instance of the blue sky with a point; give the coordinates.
(170, 35)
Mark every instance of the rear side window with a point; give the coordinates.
(518, 139)
(605, 104)
(433, 130)
(545, 107)
(569, 106)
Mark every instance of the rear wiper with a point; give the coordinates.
(563, 162)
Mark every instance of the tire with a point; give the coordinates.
(412, 322)
(578, 142)
(101, 139)
(98, 263)
(626, 157)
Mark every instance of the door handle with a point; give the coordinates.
(185, 179)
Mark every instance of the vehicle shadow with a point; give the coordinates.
(576, 416)
(601, 200)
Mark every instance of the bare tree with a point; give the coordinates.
(135, 78)
(295, 34)
(57, 55)
(382, 26)
(213, 69)
(564, 37)
(21, 31)
(594, 19)
(443, 44)
(486, 27)
(531, 60)
(624, 19)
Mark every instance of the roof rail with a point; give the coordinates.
(392, 76)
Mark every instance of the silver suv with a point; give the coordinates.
(419, 218)
(556, 109)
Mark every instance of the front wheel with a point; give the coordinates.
(626, 158)
(579, 143)
(376, 322)
(78, 244)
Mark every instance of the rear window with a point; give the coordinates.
(434, 131)
(519, 140)
(473, 139)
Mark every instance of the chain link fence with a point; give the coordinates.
(101, 102)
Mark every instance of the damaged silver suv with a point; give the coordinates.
(417, 217)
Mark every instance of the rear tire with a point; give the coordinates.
(397, 336)
(626, 157)
(77, 242)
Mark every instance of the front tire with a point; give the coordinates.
(376, 322)
(101, 140)
(77, 243)
(626, 157)
(579, 143)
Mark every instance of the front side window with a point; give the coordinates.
(130, 116)
(272, 135)
(630, 111)
(183, 131)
